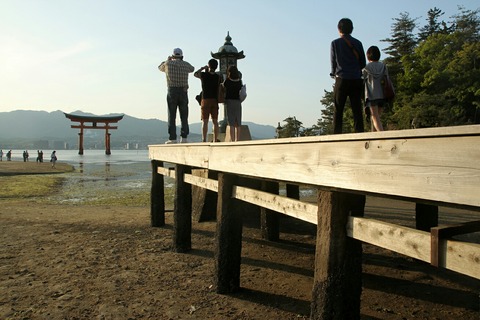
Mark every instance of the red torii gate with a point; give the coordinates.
(94, 120)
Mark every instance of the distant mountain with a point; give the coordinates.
(37, 129)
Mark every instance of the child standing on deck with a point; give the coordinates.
(373, 75)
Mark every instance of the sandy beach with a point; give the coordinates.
(104, 261)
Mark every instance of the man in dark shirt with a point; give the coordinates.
(347, 60)
(210, 86)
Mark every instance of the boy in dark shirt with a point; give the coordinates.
(209, 103)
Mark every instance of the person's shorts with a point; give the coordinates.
(209, 108)
(376, 102)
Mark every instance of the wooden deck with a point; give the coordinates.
(431, 167)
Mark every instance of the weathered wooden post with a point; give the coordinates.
(426, 216)
(269, 220)
(293, 191)
(338, 259)
(228, 239)
(157, 196)
(182, 212)
(204, 206)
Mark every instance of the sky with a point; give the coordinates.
(102, 56)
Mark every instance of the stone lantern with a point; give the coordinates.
(228, 56)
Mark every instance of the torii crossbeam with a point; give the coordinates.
(104, 121)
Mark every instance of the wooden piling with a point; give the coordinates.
(182, 212)
(426, 216)
(293, 191)
(338, 259)
(157, 196)
(269, 219)
(228, 239)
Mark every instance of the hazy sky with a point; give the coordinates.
(101, 56)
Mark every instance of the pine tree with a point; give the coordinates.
(434, 26)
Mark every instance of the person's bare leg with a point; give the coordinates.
(215, 129)
(232, 133)
(237, 133)
(377, 122)
(204, 129)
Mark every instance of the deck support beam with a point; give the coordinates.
(228, 239)
(337, 283)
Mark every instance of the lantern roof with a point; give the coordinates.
(228, 50)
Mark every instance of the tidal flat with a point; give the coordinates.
(84, 184)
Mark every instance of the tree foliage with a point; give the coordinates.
(291, 128)
(434, 26)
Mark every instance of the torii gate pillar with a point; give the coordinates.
(107, 142)
(80, 141)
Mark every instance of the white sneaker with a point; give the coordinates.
(170, 141)
(183, 140)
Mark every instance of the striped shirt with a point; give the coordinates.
(177, 72)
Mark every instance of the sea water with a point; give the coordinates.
(96, 172)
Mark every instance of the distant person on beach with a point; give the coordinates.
(25, 156)
(53, 158)
(233, 105)
(373, 75)
(347, 61)
(9, 155)
(176, 71)
(1, 155)
(39, 156)
(209, 103)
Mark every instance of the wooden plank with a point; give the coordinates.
(407, 241)
(202, 182)
(168, 172)
(194, 155)
(439, 233)
(418, 168)
(290, 207)
(301, 210)
(420, 165)
(454, 255)
(462, 257)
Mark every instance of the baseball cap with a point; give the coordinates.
(177, 52)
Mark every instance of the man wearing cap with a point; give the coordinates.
(177, 72)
